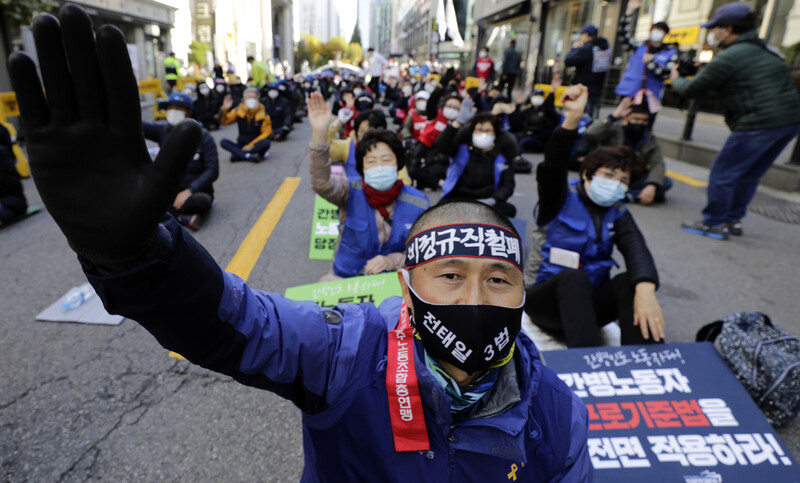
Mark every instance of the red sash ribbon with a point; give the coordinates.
(405, 403)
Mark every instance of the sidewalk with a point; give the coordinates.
(709, 133)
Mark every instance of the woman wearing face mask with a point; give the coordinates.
(255, 128)
(195, 194)
(484, 65)
(418, 117)
(429, 166)
(535, 118)
(206, 107)
(628, 126)
(569, 288)
(650, 63)
(482, 152)
(279, 110)
(399, 111)
(376, 208)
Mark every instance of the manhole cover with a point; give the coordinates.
(776, 209)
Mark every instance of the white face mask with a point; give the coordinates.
(220, 88)
(430, 87)
(537, 100)
(421, 105)
(450, 113)
(656, 36)
(483, 55)
(357, 92)
(204, 90)
(174, 116)
(712, 40)
(251, 103)
(482, 140)
(272, 94)
(407, 91)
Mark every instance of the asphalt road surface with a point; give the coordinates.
(80, 402)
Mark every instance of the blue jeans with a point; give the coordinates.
(742, 161)
(237, 154)
(638, 186)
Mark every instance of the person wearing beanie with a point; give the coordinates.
(762, 109)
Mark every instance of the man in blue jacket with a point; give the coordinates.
(467, 399)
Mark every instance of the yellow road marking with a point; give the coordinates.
(247, 255)
(686, 179)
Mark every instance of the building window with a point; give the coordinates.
(203, 10)
(204, 33)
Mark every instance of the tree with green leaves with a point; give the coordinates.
(23, 11)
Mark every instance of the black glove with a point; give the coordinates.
(85, 143)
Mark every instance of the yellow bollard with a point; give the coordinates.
(153, 86)
(10, 108)
(547, 88)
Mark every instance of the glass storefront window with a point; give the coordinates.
(564, 23)
(499, 35)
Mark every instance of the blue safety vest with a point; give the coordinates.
(574, 230)
(631, 81)
(459, 164)
(359, 242)
(350, 166)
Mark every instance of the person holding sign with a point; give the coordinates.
(376, 208)
(567, 272)
(469, 399)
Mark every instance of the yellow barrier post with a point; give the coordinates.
(10, 108)
(559, 92)
(153, 86)
(471, 82)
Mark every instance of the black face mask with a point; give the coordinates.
(470, 337)
(634, 132)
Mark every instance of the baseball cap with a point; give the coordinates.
(730, 14)
(177, 99)
(590, 30)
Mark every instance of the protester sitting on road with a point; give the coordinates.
(580, 222)
(12, 196)
(650, 63)
(417, 118)
(376, 211)
(195, 194)
(345, 111)
(399, 110)
(482, 153)
(279, 111)
(206, 107)
(428, 167)
(762, 109)
(628, 126)
(534, 120)
(482, 403)
(255, 128)
(486, 101)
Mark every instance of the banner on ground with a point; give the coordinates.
(369, 288)
(324, 230)
(671, 412)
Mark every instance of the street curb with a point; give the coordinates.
(779, 176)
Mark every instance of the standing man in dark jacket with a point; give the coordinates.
(762, 109)
(511, 62)
(465, 398)
(591, 57)
(195, 194)
(12, 197)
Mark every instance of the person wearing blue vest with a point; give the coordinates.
(468, 400)
(653, 58)
(376, 208)
(481, 153)
(567, 273)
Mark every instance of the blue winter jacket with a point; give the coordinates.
(631, 81)
(459, 164)
(332, 365)
(574, 229)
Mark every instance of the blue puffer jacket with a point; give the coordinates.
(332, 365)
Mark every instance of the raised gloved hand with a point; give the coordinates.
(344, 115)
(467, 111)
(85, 144)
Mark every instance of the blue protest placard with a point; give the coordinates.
(671, 412)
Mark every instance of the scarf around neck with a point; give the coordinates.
(379, 200)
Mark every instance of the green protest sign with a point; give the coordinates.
(369, 288)
(324, 230)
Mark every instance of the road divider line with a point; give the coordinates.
(686, 179)
(247, 255)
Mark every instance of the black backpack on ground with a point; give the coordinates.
(765, 359)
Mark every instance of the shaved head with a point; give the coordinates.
(460, 211)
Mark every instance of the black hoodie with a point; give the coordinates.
(582, 58)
